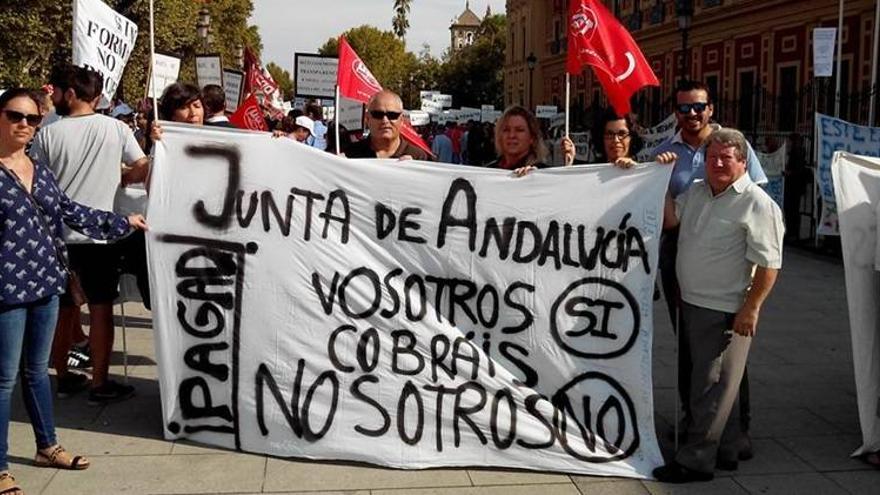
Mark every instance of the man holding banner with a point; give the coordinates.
(729, 230)
(384, 119)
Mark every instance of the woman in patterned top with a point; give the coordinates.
(32, 275)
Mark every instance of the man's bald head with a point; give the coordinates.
(384, 116)
(385, 96)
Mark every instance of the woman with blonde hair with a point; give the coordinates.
(518, 141)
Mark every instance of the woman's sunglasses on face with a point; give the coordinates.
(33, 120)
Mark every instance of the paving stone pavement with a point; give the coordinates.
(804, 424)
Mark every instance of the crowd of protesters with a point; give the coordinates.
(719, 254)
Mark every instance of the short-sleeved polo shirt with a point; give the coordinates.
(721, 240)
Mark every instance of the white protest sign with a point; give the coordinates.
(432, 107)
(427, 95)
(496, 115)
(167, 68)
(409, 316)
(823, 51)
(546, 111)
(486, 113)
(857, 187)
(445, 100)
(233, 85)
(774, 166)
(468, 113)
(448, 116)
(315, 75)
(102, 40)
(209, 70)
(653, 136)
(418, 117)
(838, 135)
(351, 114)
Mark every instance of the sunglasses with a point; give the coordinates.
(621, 135)
(697, 107)
(33, 120)
(379, 115)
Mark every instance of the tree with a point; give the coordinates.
(282, 78)
(37, 37)
(400, 21)
(382, 51)
(474, 75)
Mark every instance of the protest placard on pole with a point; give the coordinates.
(418, 117)
(233, 86)
(167, 68)
(427, 95)
(432, 107)
(103, 40)
(468, 113)
(546, 111)
(209, 70)
(444, 100)
(390, 323)
(315, 75)
(486, 113)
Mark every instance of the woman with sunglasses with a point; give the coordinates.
(519, 142)
(34, 274)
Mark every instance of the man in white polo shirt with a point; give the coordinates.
(730, 233)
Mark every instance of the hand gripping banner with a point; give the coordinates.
(403, 314)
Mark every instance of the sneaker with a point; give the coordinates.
(109, 392)
(70, 384)
(79, 357)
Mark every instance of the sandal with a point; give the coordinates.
(60, 458)
(8, 484)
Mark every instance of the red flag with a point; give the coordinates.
(249, 116)
(250, 62)
(260, 83)
(356, 82)
(596, 38)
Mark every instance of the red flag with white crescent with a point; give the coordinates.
(596, 38)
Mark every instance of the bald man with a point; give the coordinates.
(384, 118)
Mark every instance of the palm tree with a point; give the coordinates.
(400, 22)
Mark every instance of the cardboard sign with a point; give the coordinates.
(102, 40)
(315, 75)
(233, 85)
(857, 188)
(167, 70)
(209, 70)
(404, 315)
(838, 135)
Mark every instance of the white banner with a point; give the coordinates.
(209, 70)
(401, 314)
(468, 113)
(102, 40)
(432, 107)
(774, 166)
(315, 75)
(653, 136)
(167, 70)
(838, 135)
(445, 100)
(233, 85)
(418, 117)
(857, 185)
(823, 51)
(546, 111)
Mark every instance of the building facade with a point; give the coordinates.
(756, 55)
(464, 29)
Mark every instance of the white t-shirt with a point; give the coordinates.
(86, 153)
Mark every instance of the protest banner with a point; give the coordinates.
(209, 70)
(233, 86)
(167, 68)
(857, 188)
(838, 135)
(103, 40)
(774, 166)
(418, 117)
(445, 100)
(823, 51)
(546, 111)
(404, 316)
(653, 136)
(432, 107)
(315, 75)
(468, 113)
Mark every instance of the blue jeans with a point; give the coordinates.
(26, 334)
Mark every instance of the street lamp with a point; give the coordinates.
(684, 10)
(203, 28)
(239, 53)
(531, 62)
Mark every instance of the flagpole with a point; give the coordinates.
(153, 64)
(873, 99)
(568, 98)
(336, 119)
(839, 60)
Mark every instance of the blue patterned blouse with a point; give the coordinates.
(29, 267)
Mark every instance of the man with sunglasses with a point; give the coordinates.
(85, 150)
(693, 110)
(384, 118)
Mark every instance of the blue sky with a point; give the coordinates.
(290, 26)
